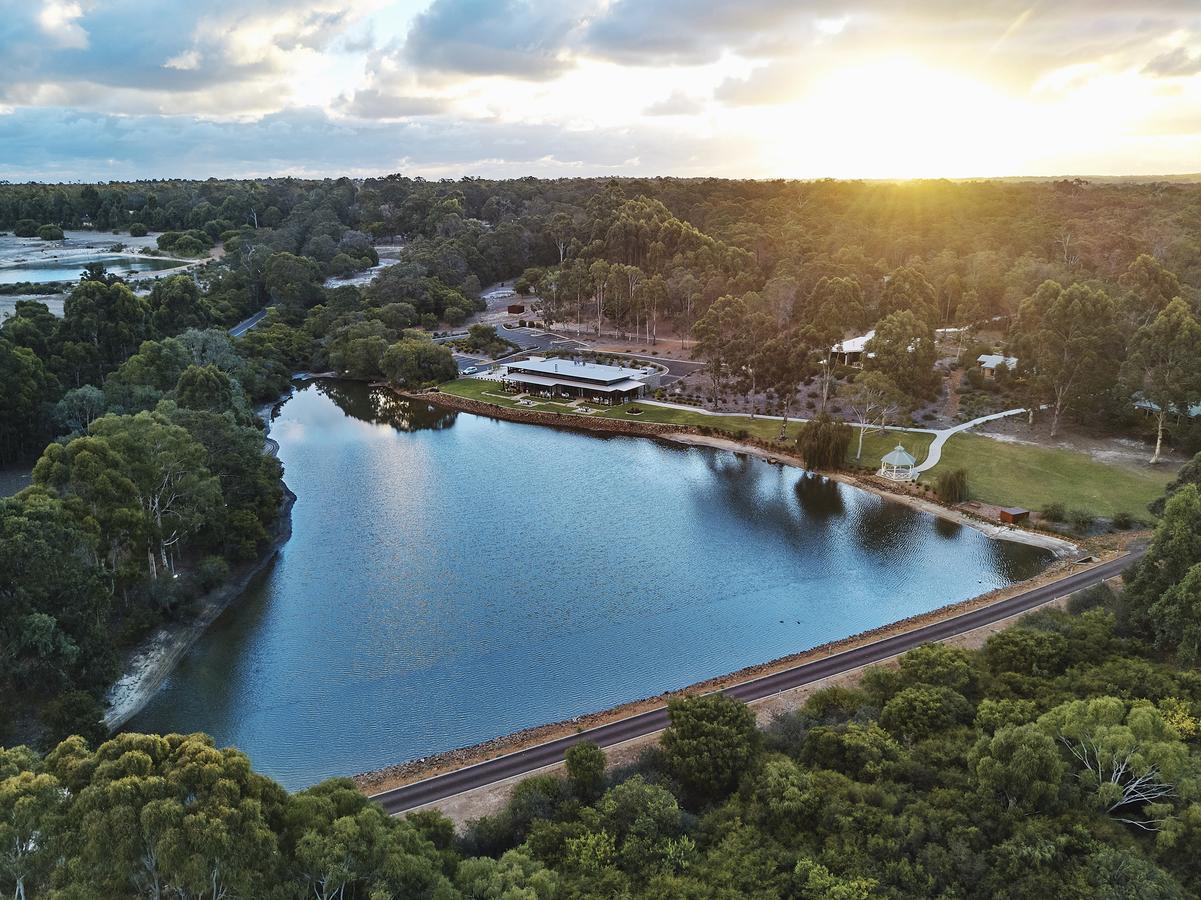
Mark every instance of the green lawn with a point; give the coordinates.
(998, 472)
(1024, 475)
(874, 445)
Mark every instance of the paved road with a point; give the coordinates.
(246, 324)
(440, 787)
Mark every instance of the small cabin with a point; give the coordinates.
(1013, 515)
(990, 362)
(850, 352)
(516, 308)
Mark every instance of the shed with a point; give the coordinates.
(897, 465)
(516, 307)
(990, 362)
(1013, 515)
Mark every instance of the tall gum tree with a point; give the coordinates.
(1071, 344)
(1164, 365)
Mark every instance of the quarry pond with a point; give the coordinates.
(451, 578)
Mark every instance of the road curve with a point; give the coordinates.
(439, 787)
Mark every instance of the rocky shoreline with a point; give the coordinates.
(154, 658)
(390, 777)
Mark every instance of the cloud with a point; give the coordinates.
(187, 61)
(657, 32)
(514, 38)
(675, 104)
(369, 103)
(310, 142)
(164, 53)
(779, 81)
(58, 21)
(1174, 63)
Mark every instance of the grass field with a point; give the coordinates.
(998, 472)
(1024, 475)
(874, 445)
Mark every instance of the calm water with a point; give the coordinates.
(41, 271)
(451, 578)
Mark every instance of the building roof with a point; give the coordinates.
(1141, 402)
(576, 370)
(992, 360)
(626, 384)
(899, 457)
(853, 345)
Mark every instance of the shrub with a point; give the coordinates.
(1098, 596)
(137, 229)
(1053, 512)
(586, 770)
(710, 743)
(25, 228)
(211, 572)
(951, 486)
(1123, 521)
(1081, 519)
(50, 233)
(823, 442)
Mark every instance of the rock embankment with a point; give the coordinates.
(418, 769)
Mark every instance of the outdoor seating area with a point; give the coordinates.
(898, 465)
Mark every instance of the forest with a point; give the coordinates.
(1059, 759)
(1063, 758)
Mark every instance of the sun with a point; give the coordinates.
(899, 118)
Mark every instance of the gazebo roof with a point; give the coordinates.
(899, 457)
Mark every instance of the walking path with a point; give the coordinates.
(941, 435)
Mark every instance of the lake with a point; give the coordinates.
(451, 578)
(41, 271)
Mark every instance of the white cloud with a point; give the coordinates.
(187, 61)
(58, 21)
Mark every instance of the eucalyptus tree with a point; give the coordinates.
(717, 335)
(1163, 364)
(874, 400)
(1069, 342)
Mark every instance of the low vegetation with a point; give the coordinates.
(1026, 475)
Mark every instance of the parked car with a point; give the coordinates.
(470, 370)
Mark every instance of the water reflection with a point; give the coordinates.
(381, 406)
(820, 497)
(444, 585)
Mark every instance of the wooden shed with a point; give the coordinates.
(1013, 515)
(516, 307)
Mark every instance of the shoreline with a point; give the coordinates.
(689, 435)
(399, 774)
(148, 664)
(386, 778)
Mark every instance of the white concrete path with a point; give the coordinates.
(708, 412)
(941, 435)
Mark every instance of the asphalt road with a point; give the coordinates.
(440, 787)
(246, 324)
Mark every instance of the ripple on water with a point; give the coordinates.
(451, 578)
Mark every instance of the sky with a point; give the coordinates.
(120, 89)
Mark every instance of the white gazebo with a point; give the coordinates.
(897, 465)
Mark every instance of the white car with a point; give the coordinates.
(469, 370)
